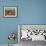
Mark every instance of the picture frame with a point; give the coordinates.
(10, 11)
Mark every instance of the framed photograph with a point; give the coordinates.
(10, 11)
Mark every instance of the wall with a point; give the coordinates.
(7, 25)
(29, 12)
